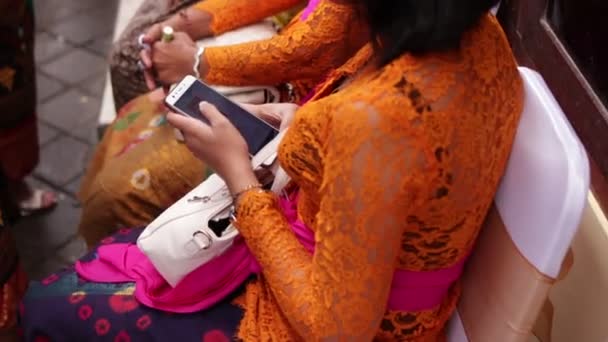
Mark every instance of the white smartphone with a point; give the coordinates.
(190, 92)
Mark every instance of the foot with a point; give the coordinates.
(32, 201)
(38, 201)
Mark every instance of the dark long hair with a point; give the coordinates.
(419, 26)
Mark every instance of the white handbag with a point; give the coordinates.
(181, 239)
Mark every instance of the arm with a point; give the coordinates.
(211, 17)
(340, 293)
(306, 49)
(228, 15)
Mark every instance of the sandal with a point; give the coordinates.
(38, 202)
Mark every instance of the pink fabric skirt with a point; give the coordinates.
(212, 282)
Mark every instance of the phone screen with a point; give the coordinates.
(256, 132)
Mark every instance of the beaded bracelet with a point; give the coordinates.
(246, 189)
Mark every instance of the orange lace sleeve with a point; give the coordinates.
(304, 50)
(340, 293)
(231, 14)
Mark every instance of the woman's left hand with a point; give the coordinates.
(218, 144)
(175, 59)
(279, 115)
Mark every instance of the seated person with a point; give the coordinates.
(388, 185)
(19, 150)
(13, 282)
(139, 169)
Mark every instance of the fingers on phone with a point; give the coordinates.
(271, 118)
(187, 125)
(179, 136)
(211, 113)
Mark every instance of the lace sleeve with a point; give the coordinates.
(231, 14)
(307, 49)
(340, 293)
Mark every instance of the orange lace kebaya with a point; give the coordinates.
(396, 171)
(304, 50)
(228, 15)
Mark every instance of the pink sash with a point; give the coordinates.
(410, 291)
(214, 281)
(312, 5)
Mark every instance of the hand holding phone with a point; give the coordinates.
(190, 92)
(219, 144)
(279, 115)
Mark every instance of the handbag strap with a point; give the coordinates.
(268, 156)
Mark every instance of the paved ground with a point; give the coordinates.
(72, 41)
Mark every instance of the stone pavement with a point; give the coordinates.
(73, 38)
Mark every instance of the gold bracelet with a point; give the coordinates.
(246, 189)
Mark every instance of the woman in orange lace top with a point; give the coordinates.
(395, 171)
(395, 162)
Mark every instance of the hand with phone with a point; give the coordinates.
(279, 115)
(219, 144)
(221, 132)
(190, 92)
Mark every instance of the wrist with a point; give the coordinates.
(196, 22)
(242, 181)
(177, 23)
